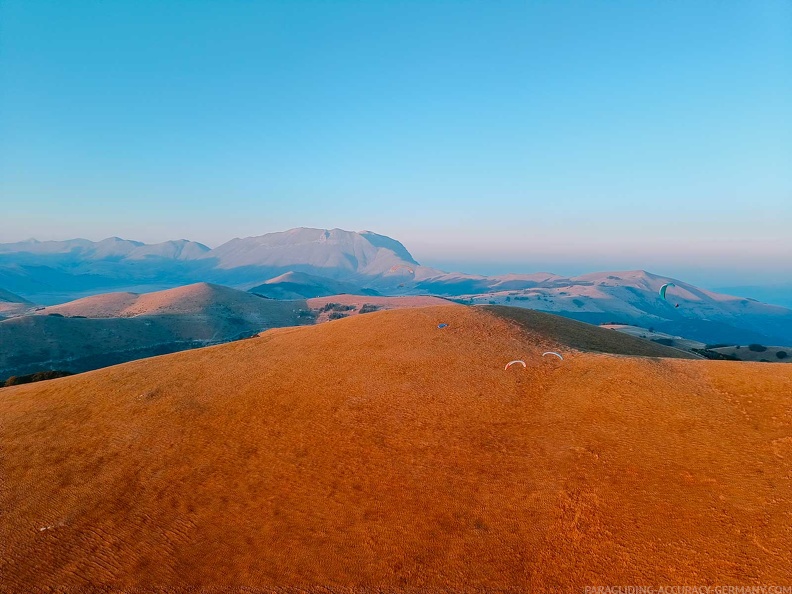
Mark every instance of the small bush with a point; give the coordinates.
(782, 354)
(337, 315)
(337, 307)
(368, 308)
(715, 355)
(521, 298)
(16, 380)
(55, 315)
(757, 348)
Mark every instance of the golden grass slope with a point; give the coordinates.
(380, 303)
(197, 298)
(380, 453)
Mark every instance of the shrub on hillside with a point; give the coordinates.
(715, 355)
(368, 308)
(782, 354)
(757, 348)
(16, 380)
(337, 307)
(337, 315)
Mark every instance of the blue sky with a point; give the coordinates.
(486, 136)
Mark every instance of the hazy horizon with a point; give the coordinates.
(771, 288)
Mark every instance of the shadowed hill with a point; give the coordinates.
(9, 297)
(380, 453)
(11, 304)
(298, 285)
(113, 328)
(582, 336)
(195, 299)
(108, 329)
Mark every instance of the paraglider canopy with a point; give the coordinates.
(510, 363)
(442, 325)
(553, 353)
(664, 288)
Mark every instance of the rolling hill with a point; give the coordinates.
(108, 329)
(381, 453)
(199, 298)
(112, 328)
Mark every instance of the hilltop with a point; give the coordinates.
(117, 327)
(198, 298)
(380, 453)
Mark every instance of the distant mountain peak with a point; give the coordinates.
(332, 252)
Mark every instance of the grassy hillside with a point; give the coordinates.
(582, 336)
(380, 453)
(53, 340)
(772, 354)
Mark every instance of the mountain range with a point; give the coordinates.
(305, 263)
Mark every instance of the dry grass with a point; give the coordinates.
(380, 453)
(585, 336)
(380, 303)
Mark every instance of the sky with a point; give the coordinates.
(487, 136)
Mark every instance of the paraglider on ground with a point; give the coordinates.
(378, 454)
